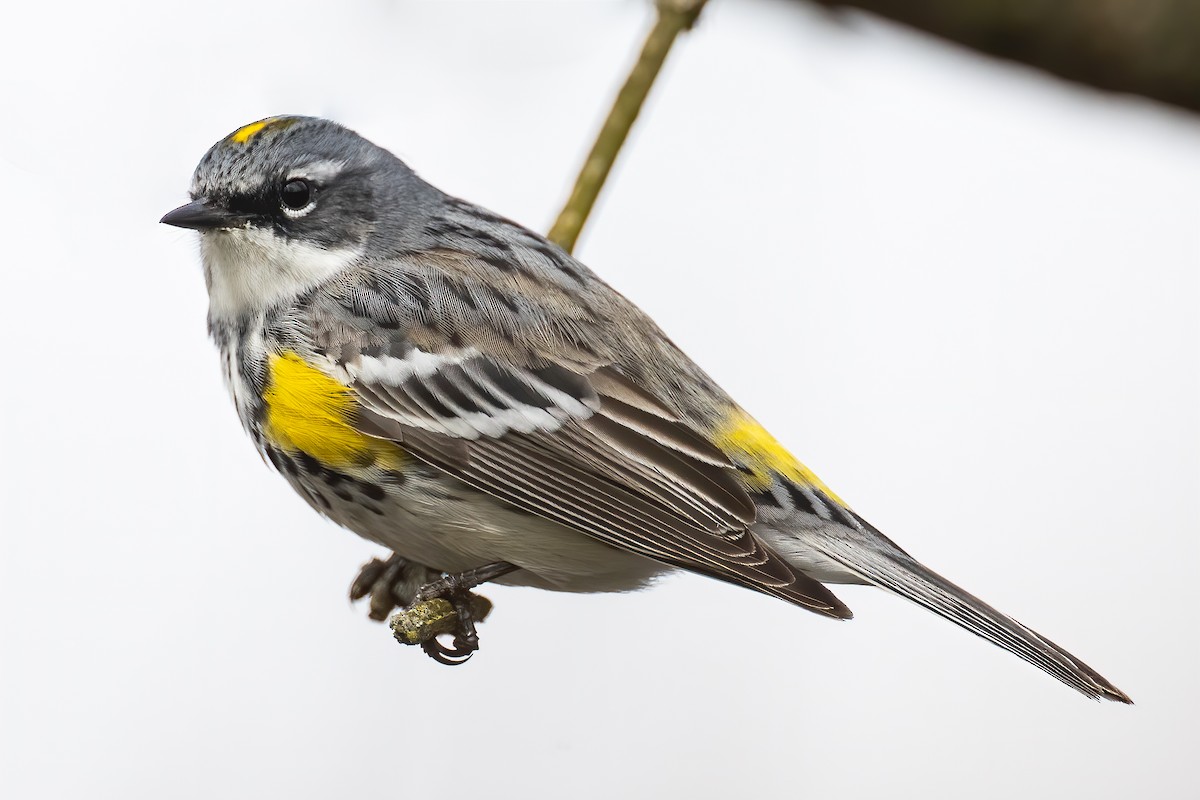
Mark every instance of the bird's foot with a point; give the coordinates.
(391, 583)
(456, 590)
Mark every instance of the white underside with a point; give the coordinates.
(469, 529)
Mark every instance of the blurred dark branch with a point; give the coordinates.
(1145, 47)
(674, 17)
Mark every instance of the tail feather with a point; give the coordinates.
(883, 564)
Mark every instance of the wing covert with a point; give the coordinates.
(544, 439)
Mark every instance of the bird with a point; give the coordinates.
(455, 387)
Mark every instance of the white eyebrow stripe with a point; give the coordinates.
(319, 171)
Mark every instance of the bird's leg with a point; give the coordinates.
(448, 585)
(456, 589)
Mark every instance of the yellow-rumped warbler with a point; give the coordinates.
(453, 386)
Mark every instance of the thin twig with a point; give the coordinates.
(431, 618)
(674, 17)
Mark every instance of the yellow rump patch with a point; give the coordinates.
(749, 444)
(310, 412)
(248, 132)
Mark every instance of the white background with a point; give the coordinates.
(964, 293)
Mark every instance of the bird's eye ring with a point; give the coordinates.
(296, 195)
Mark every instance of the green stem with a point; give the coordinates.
(674, 17)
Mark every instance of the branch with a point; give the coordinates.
(674, 17)
(1145, 47)
(432, 618)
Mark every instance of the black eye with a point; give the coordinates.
(295, 194)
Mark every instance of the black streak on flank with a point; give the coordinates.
(394, 477)
(310, 464)
(289, 466)
(373, 491)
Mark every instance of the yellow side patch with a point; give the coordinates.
(248, 132)
(310, 412)
(749, 444)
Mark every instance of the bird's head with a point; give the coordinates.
(286, 202)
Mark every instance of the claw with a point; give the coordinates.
(459, 654)
(456, 589)
(466, 638)
(367, 577)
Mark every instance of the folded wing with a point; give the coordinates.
(591, 451)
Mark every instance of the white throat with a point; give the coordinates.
(251, 269)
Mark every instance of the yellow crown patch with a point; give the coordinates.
(247, 132)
